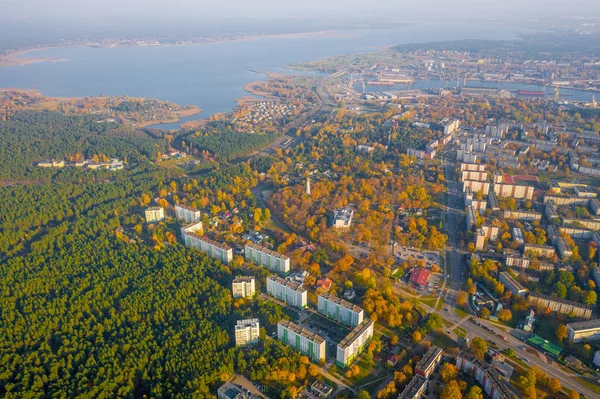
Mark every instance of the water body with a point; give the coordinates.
(212, 76)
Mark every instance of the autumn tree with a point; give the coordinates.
(462, 298)
(504, 315)
(448, 372)
(451, 391)
(554, 385)
(561, 332)
(474, 393)
(479, 347)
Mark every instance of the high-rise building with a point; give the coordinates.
(187, 213)
(243, 287)
(302, 340)
(155, 214)
(288, 291)
(354, 343)
(215, 250)
(247, 332)
(272, 260)
(340, 310)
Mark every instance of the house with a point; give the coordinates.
(324, 283)
(420, 276)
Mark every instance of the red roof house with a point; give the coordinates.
(419, 276)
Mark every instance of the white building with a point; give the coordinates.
(342, 218)
(302, 340)
(187, 214)
(155, 214)
(584, 331)
(340, 310)
(247, 332)
(597, 358)
(290, 292)
(215, 250)
(511, 284)
(354, 343)
(272, 260)
(243, 287)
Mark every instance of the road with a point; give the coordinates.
(455, 261)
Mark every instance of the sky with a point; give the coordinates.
(116, 10)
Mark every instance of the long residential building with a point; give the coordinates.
(515, 260)
(522, 215)
(354, 343)
(564, 249)
(288, 291)
(302, 340)
(272, 260)
(558, 305)
(415, 388)
(514, 191)
(215, 250)
(472, 167)
(490, 380)
(539, 250)
(243, 287)
(584, 330)
(471, 217)
(247, 332)
(340, 310)
(475, 186)
(511, 284)
(429, 362)
(187, 213)
(474, 175)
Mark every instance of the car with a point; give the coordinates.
(525, 360)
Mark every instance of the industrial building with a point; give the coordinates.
(301, 339)
(584, 331)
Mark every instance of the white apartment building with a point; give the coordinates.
(243, 287)
(272, 260)
(340, 310)
(288, 291)
(302, 340)
(354, 343)
(215, 250)
(155, 214)
(247, 332)
(187, 213)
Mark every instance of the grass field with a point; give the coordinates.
(444, 341)
(460, 312)
(440, 304)
(461, 332)
(428, 300)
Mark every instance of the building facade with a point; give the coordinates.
(414, 389)
(155, 214)
(511, 284)
(301, 339)
(187, 213)
(558, 305)
(584, 331)
(429, 362)
(272, 260)
(247, 332)
(215, 250)
(340, 310)
(243, 287)
(354, 343)
(290, 292)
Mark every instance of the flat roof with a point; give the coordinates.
(287, 283)
(302, 331)
(207, 240)
(267, 251)
(341, 302)
(243, 279)
(414, 386)
(429, 357)
(354, 334)
(584, 325)
(186, 207)
(511, 280)
(540, 342)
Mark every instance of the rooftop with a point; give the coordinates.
(243, 279)
(354, 334)
(342, 302)
(186, 207)
(429, 357)
(302, 331)
(246, 323)
(414, 386)
(287, 283)
(585, 325)
(344, 214)
(267, 251)
(207, 240)
(511, 280)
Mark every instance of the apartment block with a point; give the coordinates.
(472, 167)
(415, 388)
(514, 260)
(354, 343)
(243, 287)
(288, 291)
(155, 214)
(558, 305)
(564, 249)
(522, 215)
(539, 250)
(247, 332)
(511, 284)
(429, 362)
(471, 217)
(215, 250)
(474, 175)
(475, 186)
(272, 260)
(340, 310)
(187, 213)
(494, 385)
(584, 331)
(514, 191)
(301, 339)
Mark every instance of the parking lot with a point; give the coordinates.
(430, 258)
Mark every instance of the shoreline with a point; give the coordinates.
(13, 58)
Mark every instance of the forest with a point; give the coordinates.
(35, 136)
